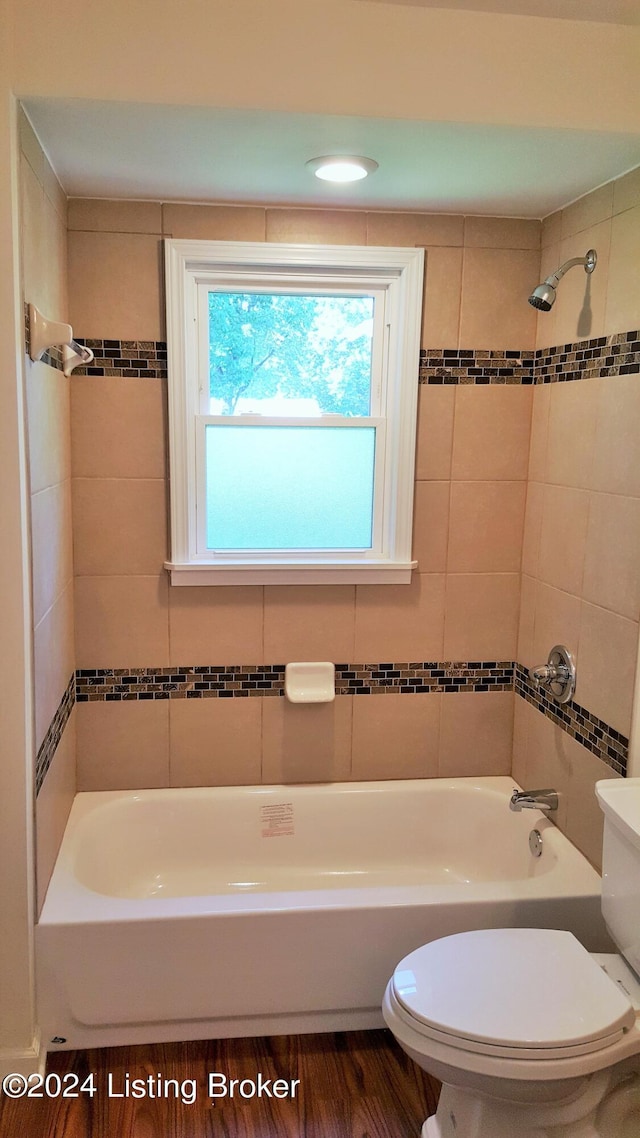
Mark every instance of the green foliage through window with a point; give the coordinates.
(290, 353)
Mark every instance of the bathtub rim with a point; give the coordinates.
(69, 902)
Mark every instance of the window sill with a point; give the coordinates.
(285, 573)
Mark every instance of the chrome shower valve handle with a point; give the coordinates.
(557, 676)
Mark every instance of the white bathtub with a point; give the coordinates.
(202, 913)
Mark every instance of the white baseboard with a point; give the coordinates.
(28, 1061)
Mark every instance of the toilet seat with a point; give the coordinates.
(516, 993)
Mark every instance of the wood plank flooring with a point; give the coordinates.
(352, 1085)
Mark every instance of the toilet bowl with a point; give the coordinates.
(531, 1035)
(525, 1029)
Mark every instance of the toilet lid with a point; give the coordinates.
(526, 989)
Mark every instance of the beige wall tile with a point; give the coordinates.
(491, 433)
(55, 192)
(213, 625)
(496, 284)
(395, 736)
(122, 622)
(33, 238)
(55, 298)
(120, 525)
(476, 731)
(431, 526)
(615, 467)
(441, 298)
(605, 678)
(51, 546)
(546, 760)
(550, 260)
(581, 297)
(532, 528)
(563, 536)
(48, 426)
(585, 820)
(435, 431)
(309, 622)
(501, 233)
(539, 432)
(485, 528)
(626, 191)
(520, 745)
(30, 146)
(123, 746)
(400, 622)
(306, 742)
(53, 805)
(214, 222)
(588, 210)
(482, 616)
(118, 427)
(53, 660)
(114, 286)
(525, 652)
(623, 293)
(407, 229)
(215, 742)
(557, 621)
(317, 226)
(551, 229)
(611, 576)
(108, 216)
(573, 411)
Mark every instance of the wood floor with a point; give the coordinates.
(352, 1085)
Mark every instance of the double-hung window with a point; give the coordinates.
(293, 374)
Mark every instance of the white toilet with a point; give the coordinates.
(531, 1035)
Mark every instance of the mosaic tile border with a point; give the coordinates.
(598, 737)
(49, 744)
(243, 680)
(127, 359)
(448, 366)
(618, 354)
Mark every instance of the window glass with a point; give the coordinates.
(281, 354)
(289, 487)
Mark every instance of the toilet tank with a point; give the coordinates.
(619, 799)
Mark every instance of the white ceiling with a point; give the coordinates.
(119, 150)
(601, 11)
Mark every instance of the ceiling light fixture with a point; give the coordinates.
(341, 167)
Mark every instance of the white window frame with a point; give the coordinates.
(396, 276)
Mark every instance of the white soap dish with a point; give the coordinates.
(311, 681)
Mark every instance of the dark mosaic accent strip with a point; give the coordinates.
(424, 676)
(589, 359)
(129, 359)
(446, 366)
(242, 680)
(598, 737)
(54, 734)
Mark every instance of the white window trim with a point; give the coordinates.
(398, 271)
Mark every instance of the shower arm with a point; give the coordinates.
(588, 262)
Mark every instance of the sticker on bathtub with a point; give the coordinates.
(277, 820)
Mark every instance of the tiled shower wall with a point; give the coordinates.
(470, 501)
(581, 552)
(44, 267)
(471, 492)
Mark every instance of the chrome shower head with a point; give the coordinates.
(543, 297)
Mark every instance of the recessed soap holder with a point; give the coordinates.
(310, 681)
(558, 675)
